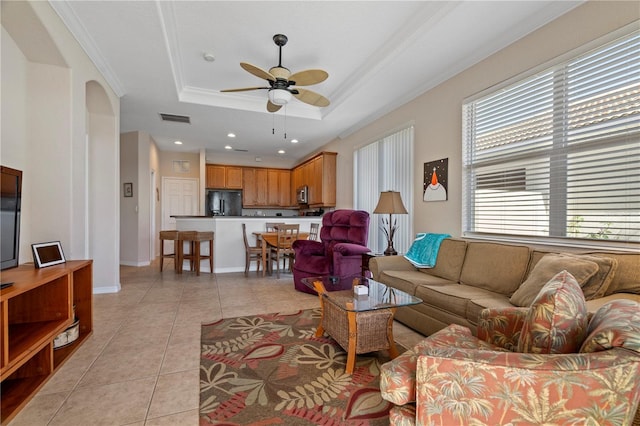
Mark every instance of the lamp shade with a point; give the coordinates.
(279, 96)
(390, 202)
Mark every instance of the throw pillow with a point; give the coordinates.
(615, 324)
(557, 320)
(597, 285)
(545, 269)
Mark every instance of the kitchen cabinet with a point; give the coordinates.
(264, 187)
(284, 188)
(319, 175)
(254, 187)
(223, 177)
(41, 304)
(278, 188)
(273, 195)
(296, 182)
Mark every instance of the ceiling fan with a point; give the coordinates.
(282, 82)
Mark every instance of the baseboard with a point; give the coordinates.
(136, 264)
(107, 289)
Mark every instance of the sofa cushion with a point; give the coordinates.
(450, 259)
(409, 281)
(557, 320)
(616, 324)
(550, 265)
(453, 298)
(627, 274)
(495, 267)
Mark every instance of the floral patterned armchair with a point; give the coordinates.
(549, 363)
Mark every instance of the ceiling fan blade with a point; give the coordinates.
(257, 71)
(311, 98)
(271, 107)
(308, 77)
(244, 89)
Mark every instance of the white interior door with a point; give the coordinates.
(179, 198)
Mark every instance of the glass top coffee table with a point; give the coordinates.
(360, 323)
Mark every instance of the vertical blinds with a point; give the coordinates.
(558, 154)
(384, 165)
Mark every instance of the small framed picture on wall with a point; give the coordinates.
(128, 189)
(436, 174)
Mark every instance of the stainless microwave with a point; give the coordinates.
(302, 195)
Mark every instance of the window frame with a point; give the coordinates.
(557, 199)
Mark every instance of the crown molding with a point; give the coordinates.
(82, 36)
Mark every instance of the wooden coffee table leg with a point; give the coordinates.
(320, 290)
(393, 351)
(353, 335)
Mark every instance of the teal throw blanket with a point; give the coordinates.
(424, 250)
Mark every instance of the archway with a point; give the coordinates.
(102, 189)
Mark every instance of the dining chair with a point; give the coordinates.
(313, 231)
(287, 234)
(251, 252)
(272, 226)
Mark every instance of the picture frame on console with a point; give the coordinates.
(47, 254)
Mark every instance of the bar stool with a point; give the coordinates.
(195, 238)
(185, 236)
(169, 236)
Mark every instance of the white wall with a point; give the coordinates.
(139, 156)
(13, 147)
(47, 131)
(437, 114)
(128, 216)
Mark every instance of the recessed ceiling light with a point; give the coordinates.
(281, 151)
(208, 57)
(178, 142)
(231, 135)
(228, 147)
(294, 140)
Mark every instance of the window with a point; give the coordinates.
(557, 154)
(386, 164)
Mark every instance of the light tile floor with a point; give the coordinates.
(140, 366)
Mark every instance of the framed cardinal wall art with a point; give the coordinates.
(435, 180)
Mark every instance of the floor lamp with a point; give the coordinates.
(390, 203)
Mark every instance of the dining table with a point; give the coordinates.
(267, 239)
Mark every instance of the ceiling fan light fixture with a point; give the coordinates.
(279, 96)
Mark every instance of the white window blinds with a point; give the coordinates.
(558, 154)
(386, 164)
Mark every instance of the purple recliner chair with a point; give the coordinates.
(343, 239)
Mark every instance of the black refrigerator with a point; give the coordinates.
(223, 203)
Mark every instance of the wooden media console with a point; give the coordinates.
(33, 311)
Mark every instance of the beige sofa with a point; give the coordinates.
(471, 275)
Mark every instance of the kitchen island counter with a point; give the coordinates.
(229, 253)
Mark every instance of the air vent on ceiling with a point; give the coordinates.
(241, 150)
(176, 118)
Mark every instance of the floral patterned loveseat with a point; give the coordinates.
(552, 363)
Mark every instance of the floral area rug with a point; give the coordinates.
(271, 369)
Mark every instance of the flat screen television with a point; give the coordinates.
(10, 200)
